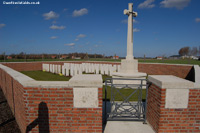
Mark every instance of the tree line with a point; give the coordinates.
(189, 51)
(23, 55)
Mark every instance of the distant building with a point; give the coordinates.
(189, 57)
(194, 57)
(77, 58)
(159, 57)
(74, 57)
(53, 56)
(115, 57)
(9, 57)
(175, 57)
(63, 57)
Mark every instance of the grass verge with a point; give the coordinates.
(45, 76)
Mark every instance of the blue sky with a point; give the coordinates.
(162, 27)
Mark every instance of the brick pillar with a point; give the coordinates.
(173, 104)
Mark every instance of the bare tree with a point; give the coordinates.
(199, 51)
(194, 51)
(184, 51)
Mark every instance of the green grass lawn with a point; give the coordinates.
(45, 76)
(32, 60)
(170, 61)
(125, 92)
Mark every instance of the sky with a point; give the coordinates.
(161, 28)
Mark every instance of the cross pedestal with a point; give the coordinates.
(129, 66)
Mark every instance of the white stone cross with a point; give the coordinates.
(130, 14)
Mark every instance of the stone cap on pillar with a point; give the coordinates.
(177, 90)
(86, 80)
(170, 82)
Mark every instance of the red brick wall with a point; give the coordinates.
(14, 94)
(33, 66)
(152, 69)
(153, 106)
(49, 109)
(173, 120)
(62, 117)
(165, 69)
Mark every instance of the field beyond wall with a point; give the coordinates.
(169, 61)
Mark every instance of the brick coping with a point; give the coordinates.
(29, 82)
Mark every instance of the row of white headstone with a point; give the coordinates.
(71, 69)
(52, 68)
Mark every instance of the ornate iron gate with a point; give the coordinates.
(126, 99)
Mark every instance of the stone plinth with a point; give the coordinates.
(129, 76)
(129, 70)
(129, 66)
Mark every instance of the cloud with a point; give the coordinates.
(54, 22)
(80, 36)
(50, 15)
(136, 30)
(146, 4)
(178, 4)
(135, 21)
(55, 27)
(65, 9)
(125, 21)
(70, 44)
(197, 20)
(53, 37)
(81, 12)
(2, 25)
(76, 39)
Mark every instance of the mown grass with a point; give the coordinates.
(45, 76)
(125, 93)
(170, 61)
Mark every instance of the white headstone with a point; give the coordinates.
(110, 69)
(66, 71)
(71, 71)
(48, 68)
(63, 70)
(118, 68)
(53, 68)
(86, 68)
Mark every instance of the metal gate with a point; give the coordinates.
(127, 101)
